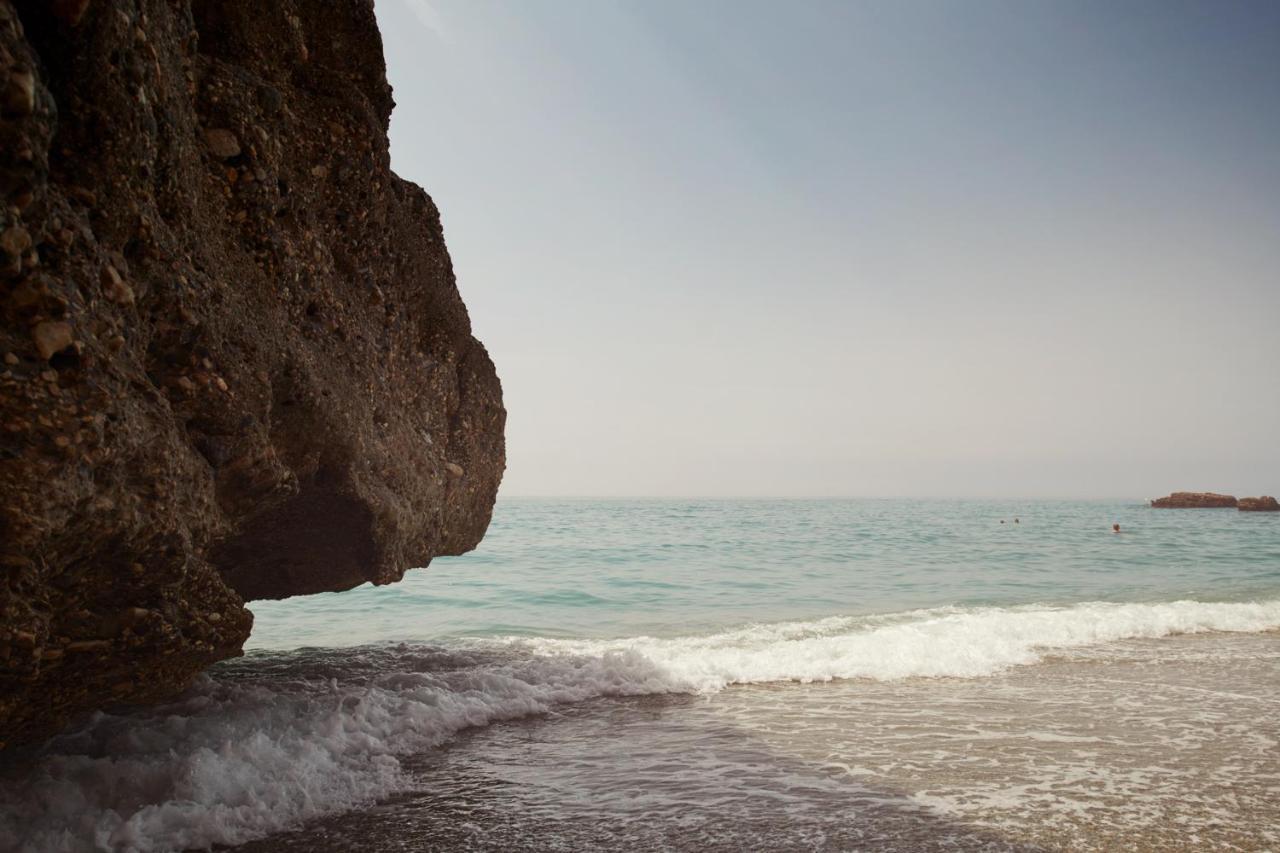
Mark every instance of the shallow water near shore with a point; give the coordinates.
(616, 568)
(719, 675)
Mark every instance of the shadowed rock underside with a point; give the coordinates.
(235, 361)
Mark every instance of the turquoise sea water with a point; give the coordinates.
(722, 675)
(615, 568)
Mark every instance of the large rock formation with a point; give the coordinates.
(1194, 500)
(1266, 503)
(235, 362)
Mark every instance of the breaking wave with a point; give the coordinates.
(939, 642)
(272, 741)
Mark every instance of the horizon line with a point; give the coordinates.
(819, 497)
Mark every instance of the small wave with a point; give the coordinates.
(241, 758)
(940, 642)
(268, 744)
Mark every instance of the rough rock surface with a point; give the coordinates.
(235, 362)
(1266, 503)
(1194, 500)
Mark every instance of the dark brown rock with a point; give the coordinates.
(1266, 503)
(1194, 500)
(225, 378)
(69, 11)
(222, 143)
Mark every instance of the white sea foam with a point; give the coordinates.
(941, 642)
(235, 762)
(241, 758)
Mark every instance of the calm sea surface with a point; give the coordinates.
(616, 568)
(727, 675)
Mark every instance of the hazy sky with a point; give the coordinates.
(860, 248)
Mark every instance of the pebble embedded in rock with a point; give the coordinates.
(15, 241)
(88, 646)
(222, 143)
(51, 337)
(85, 196)
(116, 288)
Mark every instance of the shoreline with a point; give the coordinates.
(269, 716)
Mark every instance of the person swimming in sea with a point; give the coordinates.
(1115, 528)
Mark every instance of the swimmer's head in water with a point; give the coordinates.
(1116, 527)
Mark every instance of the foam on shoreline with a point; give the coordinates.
(938, 642)
(272, 742)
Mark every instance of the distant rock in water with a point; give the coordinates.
(1194, 500)
(234, 363)
(1266, 503)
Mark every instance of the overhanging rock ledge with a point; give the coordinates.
(235, 361)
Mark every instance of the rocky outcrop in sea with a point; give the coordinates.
(1266, 503)
(235, 361)
(1194, 500)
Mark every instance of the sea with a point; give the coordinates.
(726, 675)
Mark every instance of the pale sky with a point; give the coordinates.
(963, 248)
